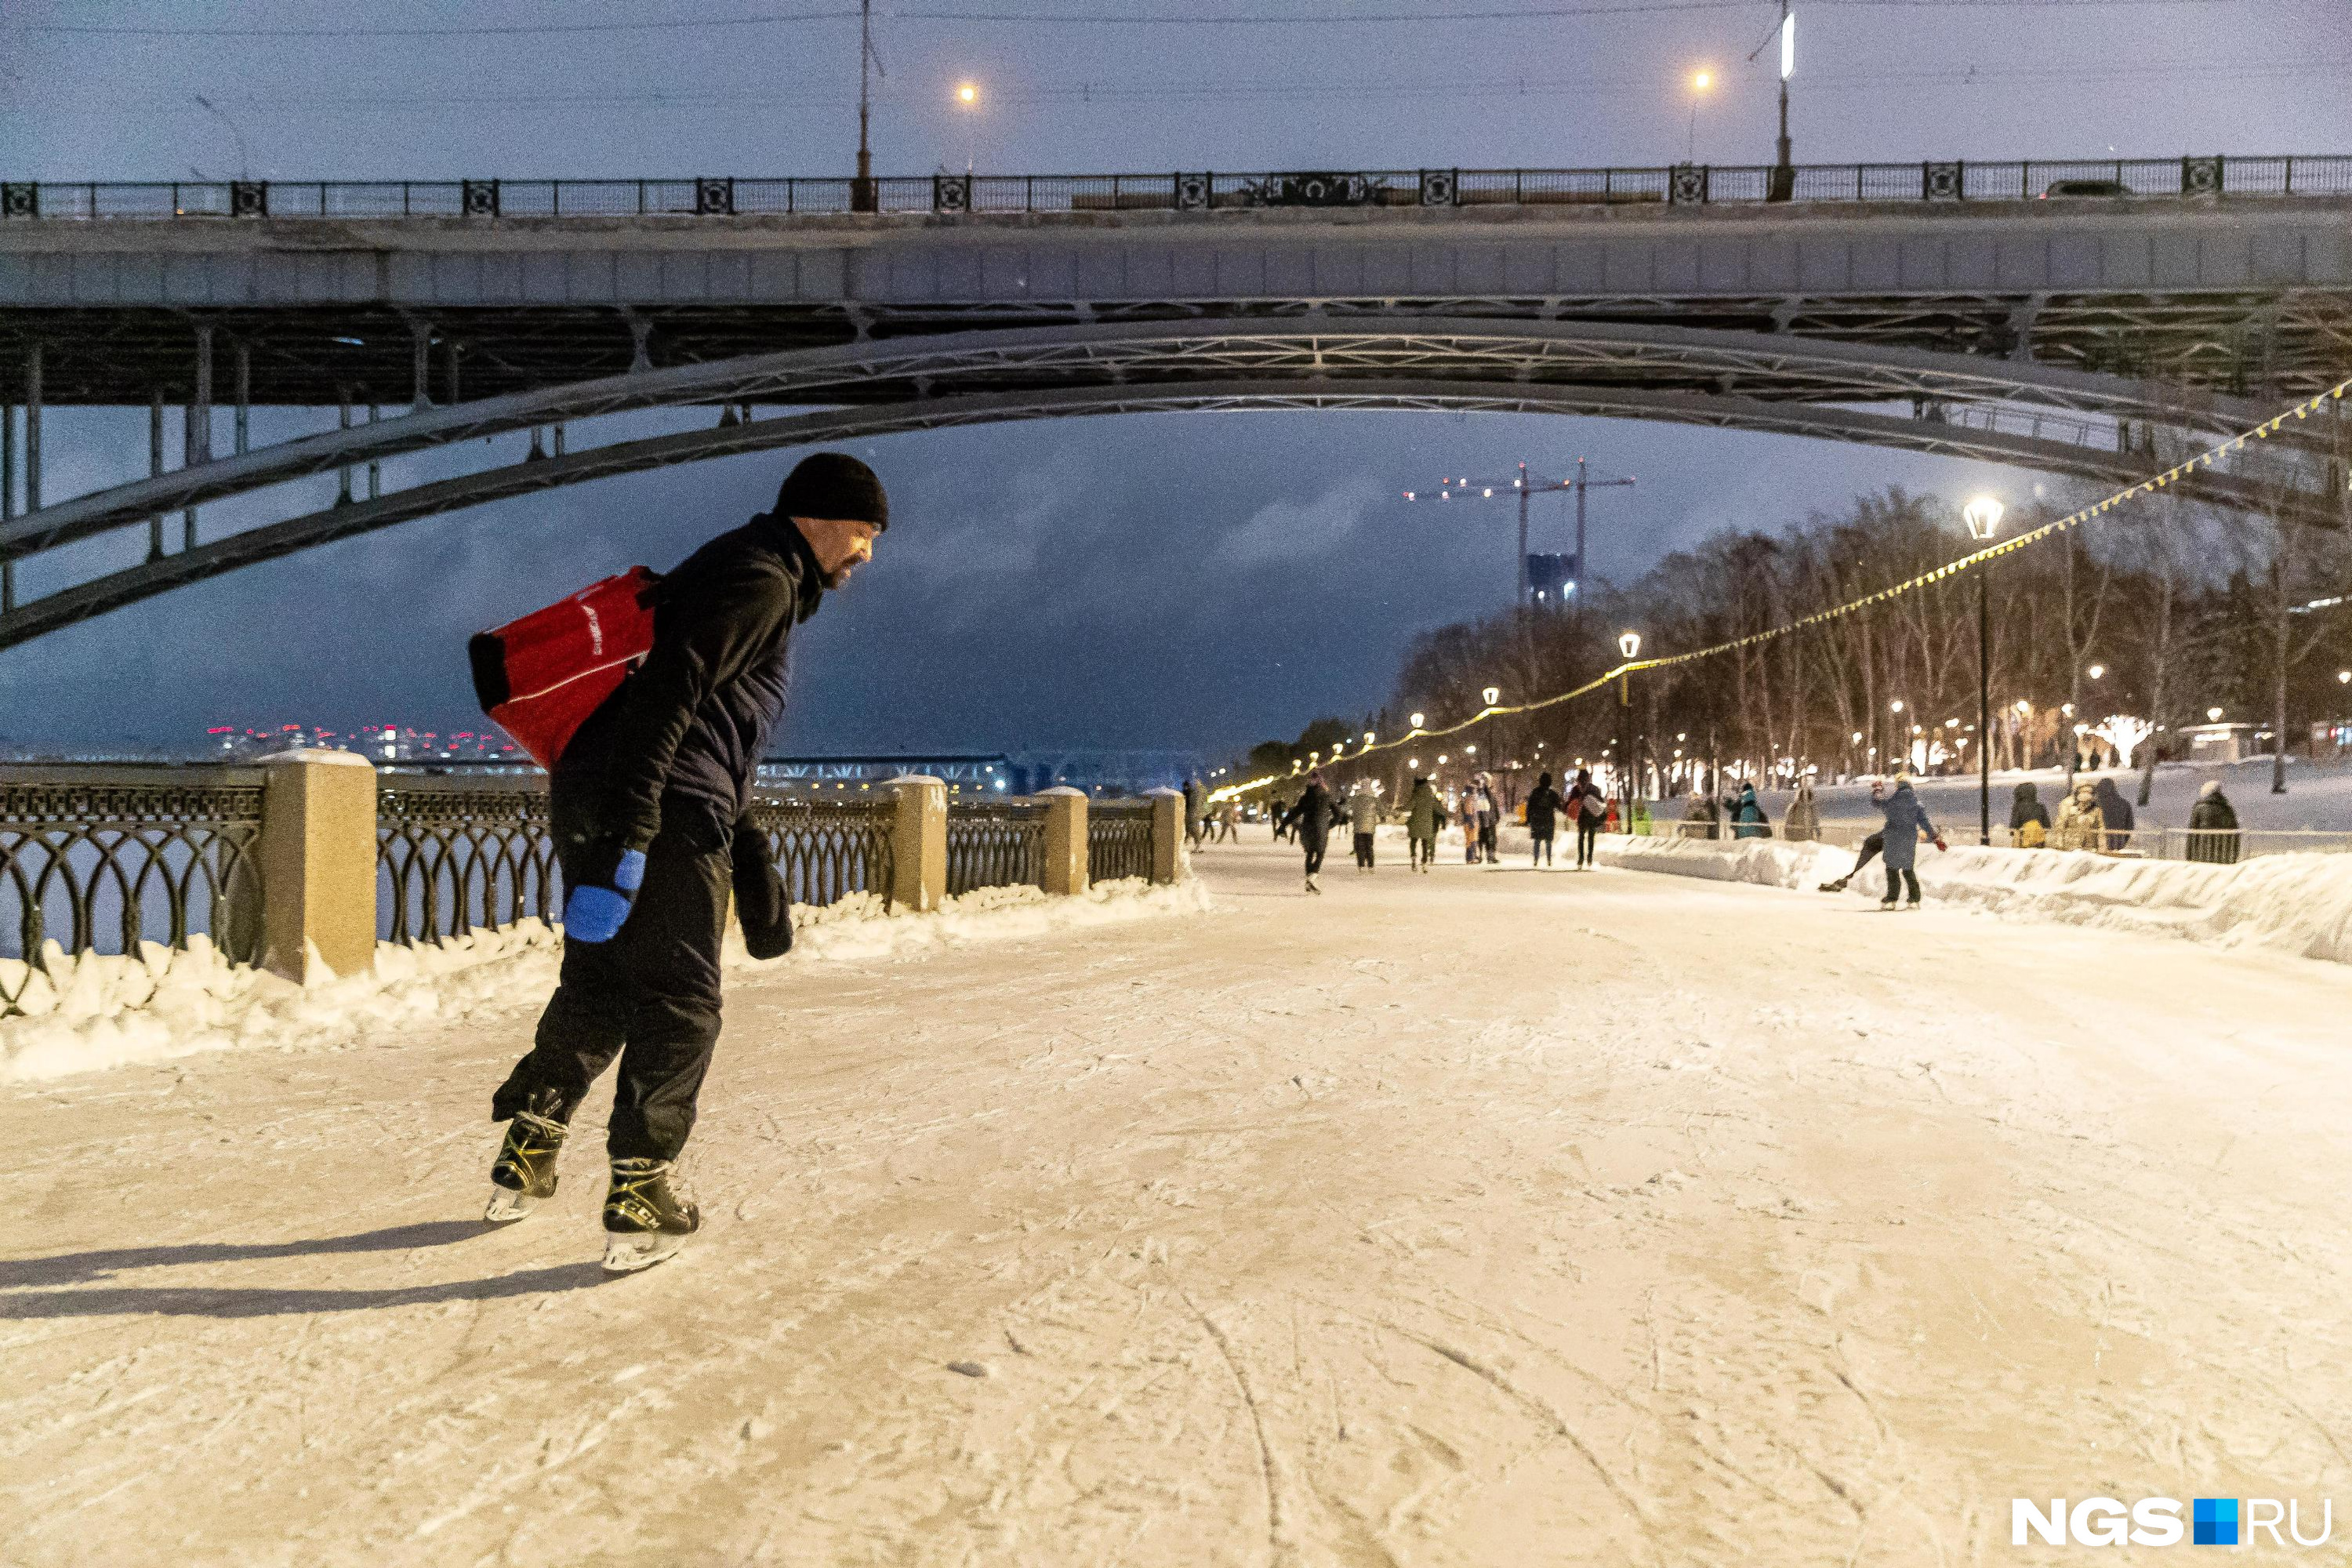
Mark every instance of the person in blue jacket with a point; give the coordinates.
(1906, 820)
(1748, 818)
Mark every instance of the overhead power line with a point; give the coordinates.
(1319, 17)
(1083, 93)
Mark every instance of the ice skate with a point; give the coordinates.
(643, 1220)
(1311, 886)
(523, 1176)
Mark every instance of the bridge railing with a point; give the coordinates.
(1956, 180)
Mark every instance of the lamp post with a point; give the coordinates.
(967, 96)
(1983, 518)
(1700, 82)
(1630, 645)
(1784, 173)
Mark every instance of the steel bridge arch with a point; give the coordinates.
(1601, 355)
(160, 574)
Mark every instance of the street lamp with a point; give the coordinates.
(2213, 714)
(1493, 695)
(1630, 645)
(2096, 671)
(967, 96)
(1700, 82)
(1983, 518)
(1417, 720)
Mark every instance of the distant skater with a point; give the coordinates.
(1424, 815)
(1310, 819)
(1364, 819)
(1543, 820)
(1907, 819)
(1589, 809)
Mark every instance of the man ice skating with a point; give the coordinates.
(645, 801)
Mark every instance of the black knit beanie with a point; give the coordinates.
(834, 485)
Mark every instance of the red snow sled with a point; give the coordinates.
(541, 675)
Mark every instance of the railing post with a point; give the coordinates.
(918, 843)
(1065, 839)
(1166, 835)
(317, 866)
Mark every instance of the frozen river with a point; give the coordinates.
(1484, 1217)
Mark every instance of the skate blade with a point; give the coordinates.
(626, 1252)
(507, 1205)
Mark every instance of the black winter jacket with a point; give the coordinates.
(1543, 810)
(1313, 815)
(690, 724)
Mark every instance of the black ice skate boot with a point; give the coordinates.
(524, 1173)
(643, 1220)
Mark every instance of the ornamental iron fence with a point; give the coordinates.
(452, 860)
(1119, 840)
(826, 850)
(999, 843)
(708, 196)
(107, 860)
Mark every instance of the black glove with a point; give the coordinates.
(760, 902)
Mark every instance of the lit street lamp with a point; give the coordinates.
(1700, 82)
(1417, 720)
(1630, 645)
(1493, 695)
(967, 96)
(1983, 518)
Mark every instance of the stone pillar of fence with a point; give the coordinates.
(317, 866)
(1065, 839)
(918, 843)
(1168, 858)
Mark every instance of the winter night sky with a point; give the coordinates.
(1215, 579)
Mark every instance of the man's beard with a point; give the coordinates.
(837, 578)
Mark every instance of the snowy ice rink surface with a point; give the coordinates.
(1435, 1221)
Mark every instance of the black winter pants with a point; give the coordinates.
(649, 996)
(1542, 847)
(1910, 883)
(1587, 838)
(1870, 849)
(1316, 843)
(1364, 849)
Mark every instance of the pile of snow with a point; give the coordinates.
(97, 1011)
(2299, 904)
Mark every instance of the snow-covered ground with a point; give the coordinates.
(1489, 1216)
(2296, 904)
(2318, 795)
(84, 1012)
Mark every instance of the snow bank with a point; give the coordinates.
(99, 1011)
(2299, 904)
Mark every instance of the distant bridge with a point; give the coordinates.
(1933, 307)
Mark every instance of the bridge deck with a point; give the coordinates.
(1472, 1217)
(2240, 293)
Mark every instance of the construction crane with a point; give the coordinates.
(1526, 486)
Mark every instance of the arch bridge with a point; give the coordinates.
(2093, 340)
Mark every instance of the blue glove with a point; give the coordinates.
(593, 910)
